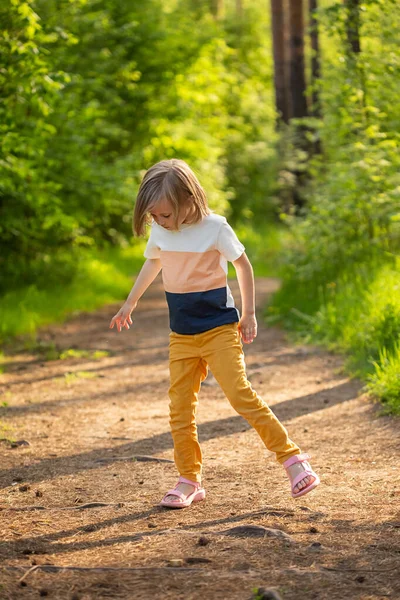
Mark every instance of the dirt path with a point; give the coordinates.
(86, 417)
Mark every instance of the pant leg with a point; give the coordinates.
(223, 352)
(187, 371)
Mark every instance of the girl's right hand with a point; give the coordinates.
(122, 318)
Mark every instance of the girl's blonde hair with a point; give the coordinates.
(171, 180)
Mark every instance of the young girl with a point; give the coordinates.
(192, 245)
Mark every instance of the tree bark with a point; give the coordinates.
(297, 75)
(315, 58)
(278, 46)
(353, 25)
(217, 8)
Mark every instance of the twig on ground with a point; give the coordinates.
(138, 458)
(56, 569)
(80, 507)
(29, 571)
(360, 570)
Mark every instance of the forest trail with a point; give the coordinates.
(86, 416)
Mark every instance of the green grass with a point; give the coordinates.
(72, 377)
(102, 277)
(49, 351)
(384, 383)
(6, 433)
(358, 315)
(73, 353)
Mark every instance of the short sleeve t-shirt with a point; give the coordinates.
(194, 271)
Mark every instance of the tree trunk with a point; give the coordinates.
(297, 76)
(280, 75)
(315, 58)
(353, 25)
(217, 8)
(239, 8)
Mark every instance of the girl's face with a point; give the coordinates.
(163, 215)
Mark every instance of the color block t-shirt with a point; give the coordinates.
(194, 271)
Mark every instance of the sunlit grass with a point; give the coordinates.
(49, 351)
(71, 377)
(73, 353)
(6, 433)
(384, 383)
(102, 277)
(358, 315)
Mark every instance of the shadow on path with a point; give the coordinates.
(288, 409)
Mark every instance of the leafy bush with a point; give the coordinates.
(94, 92)
(341, 283)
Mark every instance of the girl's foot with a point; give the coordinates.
(296, 469)
(184, 493)
(185, 488)
(303, 479)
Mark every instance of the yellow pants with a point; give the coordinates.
(220, 349)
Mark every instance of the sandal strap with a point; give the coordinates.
(196, 484)
(175, 493)
(180, 494)
(300, 476)
(295, 459)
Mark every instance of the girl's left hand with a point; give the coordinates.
(248, 328)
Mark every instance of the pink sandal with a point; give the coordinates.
(302, 458)
(198, 494)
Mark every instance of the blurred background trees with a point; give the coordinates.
(95, 91)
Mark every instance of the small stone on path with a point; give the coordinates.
(203, 541)
(256, 531)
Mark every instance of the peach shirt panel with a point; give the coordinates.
(185, 272)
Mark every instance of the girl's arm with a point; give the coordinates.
(245, 276)
(148, 273)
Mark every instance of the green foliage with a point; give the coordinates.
(6, 433)
(73, 353)
(341, 272)
(102, 276)
(359, 314)
(264, 246)
(94, 92)
(384, 383)
(49, 351)
(72, 377)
